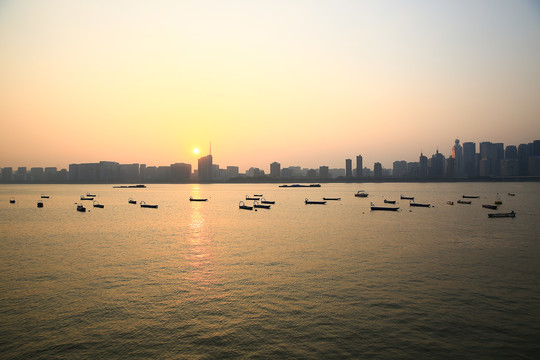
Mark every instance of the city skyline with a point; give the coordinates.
(298, 82)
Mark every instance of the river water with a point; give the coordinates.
(203, 280)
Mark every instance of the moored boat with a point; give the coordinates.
(139, 186)
(450, 202)
(511, 194)
(260, 206)
(264, 201)
(403, 197)
(511, 214)
(90, 195)
(419, 204)
(98, 205)
(197, 199)
(384, 208)
(131, 201)
(489, 206)
(361, 194)
(389, 201)
(471, 196)
(252, 197)
(464, 202)
(43, 196)
(145, 205)
(309, 202)
(87, 197)
(243, 206)
(331, 198)
(12, 200)
(40, 204)
(81, 208)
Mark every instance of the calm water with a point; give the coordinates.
(207, 280)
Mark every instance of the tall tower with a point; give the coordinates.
(348, 168)
(469, 159)
(457, 154)
(359, 166)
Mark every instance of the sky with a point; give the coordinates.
(303, 83)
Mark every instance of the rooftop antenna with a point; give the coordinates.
(210, 147)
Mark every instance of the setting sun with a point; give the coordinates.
(195, 151)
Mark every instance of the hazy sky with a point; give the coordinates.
(304, 83)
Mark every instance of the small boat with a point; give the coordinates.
(498, 200)
(90, 195)
(131, 201)
(361, 194)
(12, 200)
(196, 199)
(419, 204)
(81, 208)
(464, 202)
(308, 202)
(260, 206)
(450, 202)
(511, 194)
(145, 205)
(403, 197)
(264, 201)
(384, 208)
(243, 206)
(299, 185)
(471, 196)
(331, 199)
(87, 197)
(492, 207)
(43, 196)
(258, 195)
(389, 201)
(40, 204)
(511, 214)
(130, 186)
(98, 205)
(252, 197)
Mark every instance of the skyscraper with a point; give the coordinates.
(348, 168)
(469, 159)
(377, 170)
(205, 168)
(359, 166)
(423, 160)
(275, 170)
(457, 154)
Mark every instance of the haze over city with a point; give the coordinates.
(303, 82)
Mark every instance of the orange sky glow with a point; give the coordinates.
(304, 83)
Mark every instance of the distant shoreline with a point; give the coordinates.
(299, 181)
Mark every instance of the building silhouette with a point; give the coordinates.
(275, 170)
(205, 168)
(359, 166)
(459, 167)
(348, 168)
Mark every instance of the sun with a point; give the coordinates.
(196, 151)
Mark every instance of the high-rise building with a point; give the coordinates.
(359, 166)
(275, 170)
(233, 171)
(437, 165)
(37, 175)
(324, 172)
(180, 172)
(348, 168)
(399, 169)
(51, 174)
(523, 160)
(469, 159)
(205, 168)
(423, 165)
(457, 154)
(511, 152)
(377, 170)
(7, 174)
(109, 171)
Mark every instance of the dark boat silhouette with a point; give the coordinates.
(389, 201)
(464, 202)
(492, 207)
(403, 197)
(131, 201)
(361, 194)
(511, 214)
(264, 201)
(331, 198)
(12, 200)
(471, 196)
(40, 204)
(98, 205)
(196, 199)
(419, 204)
(252, 197)
(256, 205)
(140, 186)
(308, 202)
(145, 205)
(243, 206)
(299, 185)
(81, 208)
(43, 196)
(87, 197)
(384, 208)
